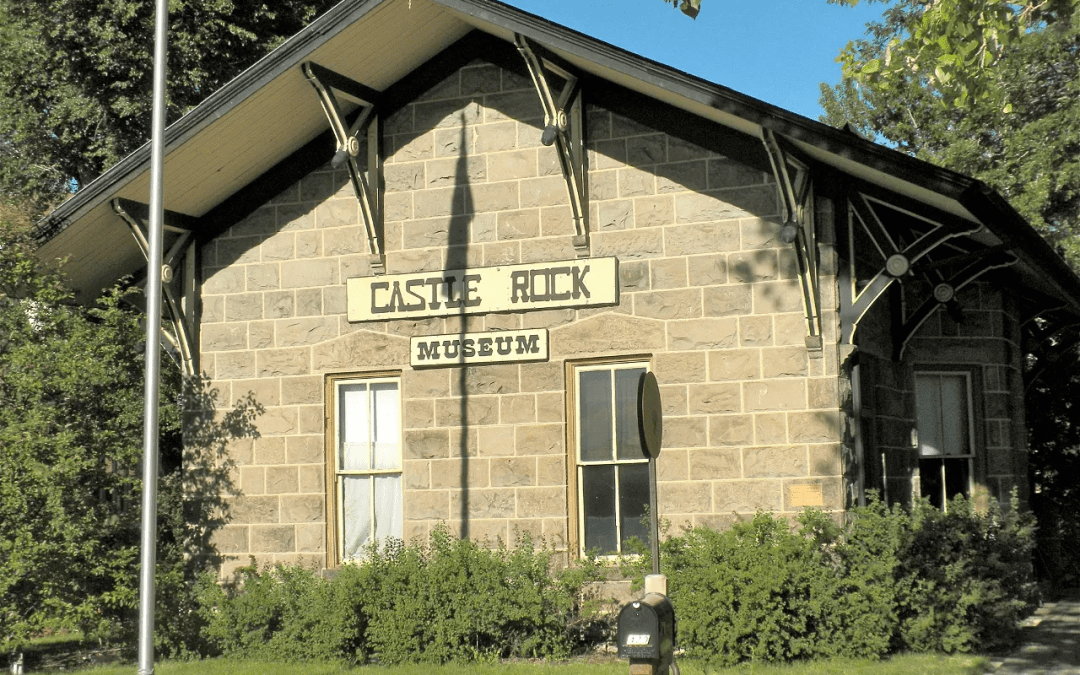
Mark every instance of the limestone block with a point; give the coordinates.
(253, 509)
(238, 251)
(282, 362)
(235, 365)
(752, 266)
(741, 364)
(279, 304)
(496, 441)
(826, 460)
(774, 395)
(603, 185)
(758, 233)
(305, 331)
(550, 407)
(684, 497)
(364, 348)
(547, 249)
(426, 383)
(480, 79)
(293, 217)
(731, 430)
(784, 362)
(701, 237)
(789, 329)
(770, 429)
(550, 470)
(417, 474)
(775, 461)
(747, 496)
(502, 253)
(668, 273)
(279, 246)
(502, 196)
(467, 411)
(819, 426)
(726, 173)
(223, 337)
(727, 300)
(253, 480)
(311, 538)
(337, 213)
(273, 538)
(606, 334)
(680, 367)
(681, 176)
(427, 443)
(287, 195)
(629, 245)
(312, 420)
(517, 409)
(682, 303)
(544, 191)
(264, 277)
(308, 244)
(312, 478)
(539, 439)
(646, 150)
(213, 309)
(547, 376)
(540, 502)
(397, 206)
(468, 471)
(269, 450)
(230, 539)
(483, 503)
(266, 391)
(633, 276)
(672, 466)
(685, 432)
(300, 390)
(344, 241)
(756, 331)
(282, 480)
(419, 414)
(634, 182)
(714, 398)
(404, 177)
(305, 449)
(496, 137)
(416, 531)
(607, 154)
(308, 273)
(518, 224)
(260, 221)
(513, 471)
(673, 399)
(776, 297)
(702, 334)
(615, 215)
(278, 422)
(309, 302)
(715, 463)
(654, 211)
(317, 186)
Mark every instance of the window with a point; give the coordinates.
(945, 432)
(612, 468)
(366, 491)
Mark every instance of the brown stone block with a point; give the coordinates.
(302, 508)
(684, 303)
(282, 480)
(551, 470)
(819, 426)
(775, 461)
(770, 429)
(727, 300)
(273, 538)
(603, 185)
(730, 430)
(495, 441)
(607, 333)
(485, 503)
(542, 377)
(668, 273)
(260, 221)
(304, 450)
(714, 398)
(427, 443)
(684, 497)
(428, 505)
(539, 439)
(311, 478)
(213, 309)
(646, 150)
(823, 393)
(252, 509)
(715, 463)
(775, 395)
(541, 502)
(731, 364)
(253, 480)
(789, 329)
(756, 331)
(269, 450)
(238, 251)
(747, 496)
(488, 533)
(685, 432)
(708, 237)
(518, 224)
(702, 334)
(495, 379)
(513, 472)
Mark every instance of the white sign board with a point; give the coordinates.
(498, 346)
(589, 282)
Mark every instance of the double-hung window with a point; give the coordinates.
(946, 435)
(612, 468)
(366, 492)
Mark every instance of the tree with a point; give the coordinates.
(75, 78)
(71, 427)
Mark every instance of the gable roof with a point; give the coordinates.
(261, 121)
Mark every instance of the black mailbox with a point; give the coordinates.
(646, 633)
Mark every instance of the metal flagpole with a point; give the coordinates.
(153, 351)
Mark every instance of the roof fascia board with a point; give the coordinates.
(219, 103)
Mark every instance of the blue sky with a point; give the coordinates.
(774, 50)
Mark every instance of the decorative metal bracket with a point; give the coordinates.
(796, 199)
(898, 261)
(367, 185)
(564, 127)
(177, 275)
(945, 292)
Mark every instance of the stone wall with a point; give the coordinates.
(709, 296)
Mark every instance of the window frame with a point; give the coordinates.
(975, 455)
(576, 506)
(335, 516)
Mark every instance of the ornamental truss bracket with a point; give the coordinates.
(177, 275)
(796, 199)
(564, 127)
(367, 182)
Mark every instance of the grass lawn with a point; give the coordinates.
(899, 665)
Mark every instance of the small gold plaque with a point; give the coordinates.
(805, 495)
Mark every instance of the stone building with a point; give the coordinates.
(442, 240)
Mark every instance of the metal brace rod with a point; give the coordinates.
(798, 230)
(563, 124)
(366, 185)
(136, 216)
(945, 293)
